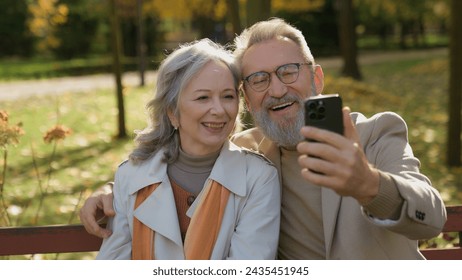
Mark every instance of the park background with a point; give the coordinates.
(59, 145)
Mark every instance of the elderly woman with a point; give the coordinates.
(187, 192)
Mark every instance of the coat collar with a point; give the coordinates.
(229, 170)
(151, 171)
(158, 211)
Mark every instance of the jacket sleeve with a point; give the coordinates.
(385, 141)
(118, 245)
(257, 229)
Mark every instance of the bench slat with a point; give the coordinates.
(47, 239)
(443, 254)
(454, 223)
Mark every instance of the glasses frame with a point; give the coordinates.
(298, 64)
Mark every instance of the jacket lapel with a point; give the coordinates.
(232, 179)
(158, 212)
(330, 200)
(330, 208)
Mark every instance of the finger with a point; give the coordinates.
(319, 178)
(322, 135)
(103, 232)
(316, 165)
(92, 227)
(349, 126)
(88, 215)
(107, 205)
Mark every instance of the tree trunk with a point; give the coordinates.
(455, 86)
(117, 67)
(347, 36)
(141, 44)
(257, 10)
(233, 14)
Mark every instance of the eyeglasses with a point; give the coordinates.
(287, 73)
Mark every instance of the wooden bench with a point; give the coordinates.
(74, 238)
(47, 239)
(453, 224)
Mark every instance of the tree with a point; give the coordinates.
(15, 38)
(78, 34)
(141, 43)
(205, 15)
(347, 35)
(406, 17)
(117, 68)
(46, 16)
(455, 85)
(257, 10)
(233, 15)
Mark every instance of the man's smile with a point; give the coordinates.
(282, 106)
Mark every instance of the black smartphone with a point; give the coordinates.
(325, 111)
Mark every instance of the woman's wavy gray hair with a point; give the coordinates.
(173, 75)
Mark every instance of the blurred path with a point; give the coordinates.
(24, 89)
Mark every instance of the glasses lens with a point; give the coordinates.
(258, 81)
(288, 73)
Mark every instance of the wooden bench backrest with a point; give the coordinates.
(453, 224)
(47, 239)
(74, 238)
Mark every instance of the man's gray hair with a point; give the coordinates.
(267, 30)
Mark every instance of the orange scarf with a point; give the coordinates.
(203, 229)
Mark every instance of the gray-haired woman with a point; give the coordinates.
(186, 191)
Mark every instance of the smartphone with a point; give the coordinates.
(325, 111)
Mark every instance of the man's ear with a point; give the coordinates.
(246, 100)
(318, 79)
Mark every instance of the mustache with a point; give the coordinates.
(271, 101)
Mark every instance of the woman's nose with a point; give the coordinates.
(217, 107)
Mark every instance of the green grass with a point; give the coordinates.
(42, 68)
(83, 161)
(416, 89)
(430, 40)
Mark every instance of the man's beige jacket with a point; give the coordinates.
(350, 232)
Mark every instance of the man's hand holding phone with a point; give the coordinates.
(334, 159)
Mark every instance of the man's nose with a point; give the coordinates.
(276, 88)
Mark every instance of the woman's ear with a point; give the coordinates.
(173, 119)
(318, 79)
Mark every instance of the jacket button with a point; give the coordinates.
(190, 200)
(419, 215)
